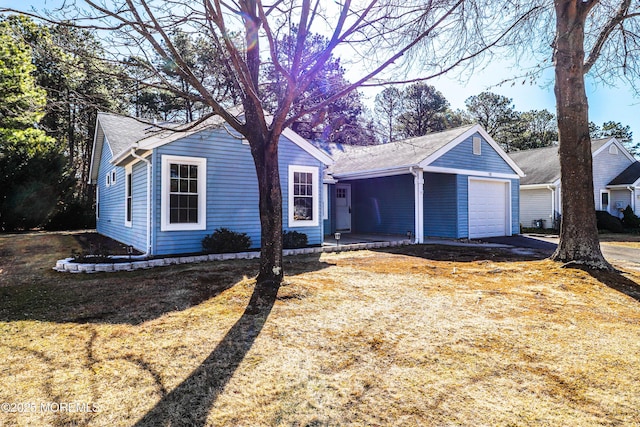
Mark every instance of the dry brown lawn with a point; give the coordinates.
(421, 335)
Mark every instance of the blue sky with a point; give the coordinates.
(605, 103)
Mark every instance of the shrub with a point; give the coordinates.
(606, 221)
(630, 219)
(294, 240)
(224, 240)
(75, 215)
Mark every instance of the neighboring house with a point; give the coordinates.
(616, 181)
(161, 191)
(455, 184)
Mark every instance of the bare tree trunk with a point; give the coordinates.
(579, 241)
(265, 154)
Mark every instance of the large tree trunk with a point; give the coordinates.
(578, 232)
(264, 149)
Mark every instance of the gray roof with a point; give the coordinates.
(628, 176)
(122, 132)
(394, 155)
(542, 165)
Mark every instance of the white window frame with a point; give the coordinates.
(108, 179)
(128, 172)
(113, 177)
(165, 187)
(315, 196)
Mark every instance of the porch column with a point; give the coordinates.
(418, 180)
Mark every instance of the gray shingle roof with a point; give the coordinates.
(542, 165)
(122, 132)
(628, 176)
(399, 154)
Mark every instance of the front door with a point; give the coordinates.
(343, 207)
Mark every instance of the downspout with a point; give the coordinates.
(553, 205)
(633, 197)
(418, 180)
(149, 224)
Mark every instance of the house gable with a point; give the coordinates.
(474, 152)
(609, 161)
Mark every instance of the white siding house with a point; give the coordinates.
(616, 176)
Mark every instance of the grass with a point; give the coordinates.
(420, 335)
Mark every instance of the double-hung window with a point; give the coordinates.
(303, 196)
(183, 193)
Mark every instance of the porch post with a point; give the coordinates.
(418, 180)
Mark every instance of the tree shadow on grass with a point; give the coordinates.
(190, 402)
(470, 253)
(616, 281)
(131, 297)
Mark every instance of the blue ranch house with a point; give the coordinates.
(162, 190)
(453, 184)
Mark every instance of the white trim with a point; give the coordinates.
(456, 171)
(114, 176)
(374, 173)
(508, 199)
(608, 199)
(418, 197)
(128, 172)
(325, 201)
(307, 146)
(462, 137)
(97, 202)
(537, 186)
(315, 201)
(165, 184)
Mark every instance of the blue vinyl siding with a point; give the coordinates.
(462, 200)
(515, 206)
(111, 221)
(232, 189)
(383, 205)
(139, 206)
(461, 157)
(440, 205)
(329, 223)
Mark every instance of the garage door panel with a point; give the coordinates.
(488, 208)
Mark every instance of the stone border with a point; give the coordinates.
(68, 266)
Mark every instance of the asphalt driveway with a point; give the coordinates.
(621, 255)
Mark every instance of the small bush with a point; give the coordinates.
(606, 221)
(75, 215)
(630, 219)
(294, 240)
(224, 240)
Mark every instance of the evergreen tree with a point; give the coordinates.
(32, 167)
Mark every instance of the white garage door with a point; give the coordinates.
(489, 208)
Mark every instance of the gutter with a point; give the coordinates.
(149, 218)
(553, 204)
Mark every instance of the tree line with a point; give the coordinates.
(420, 108)
(54, 80)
